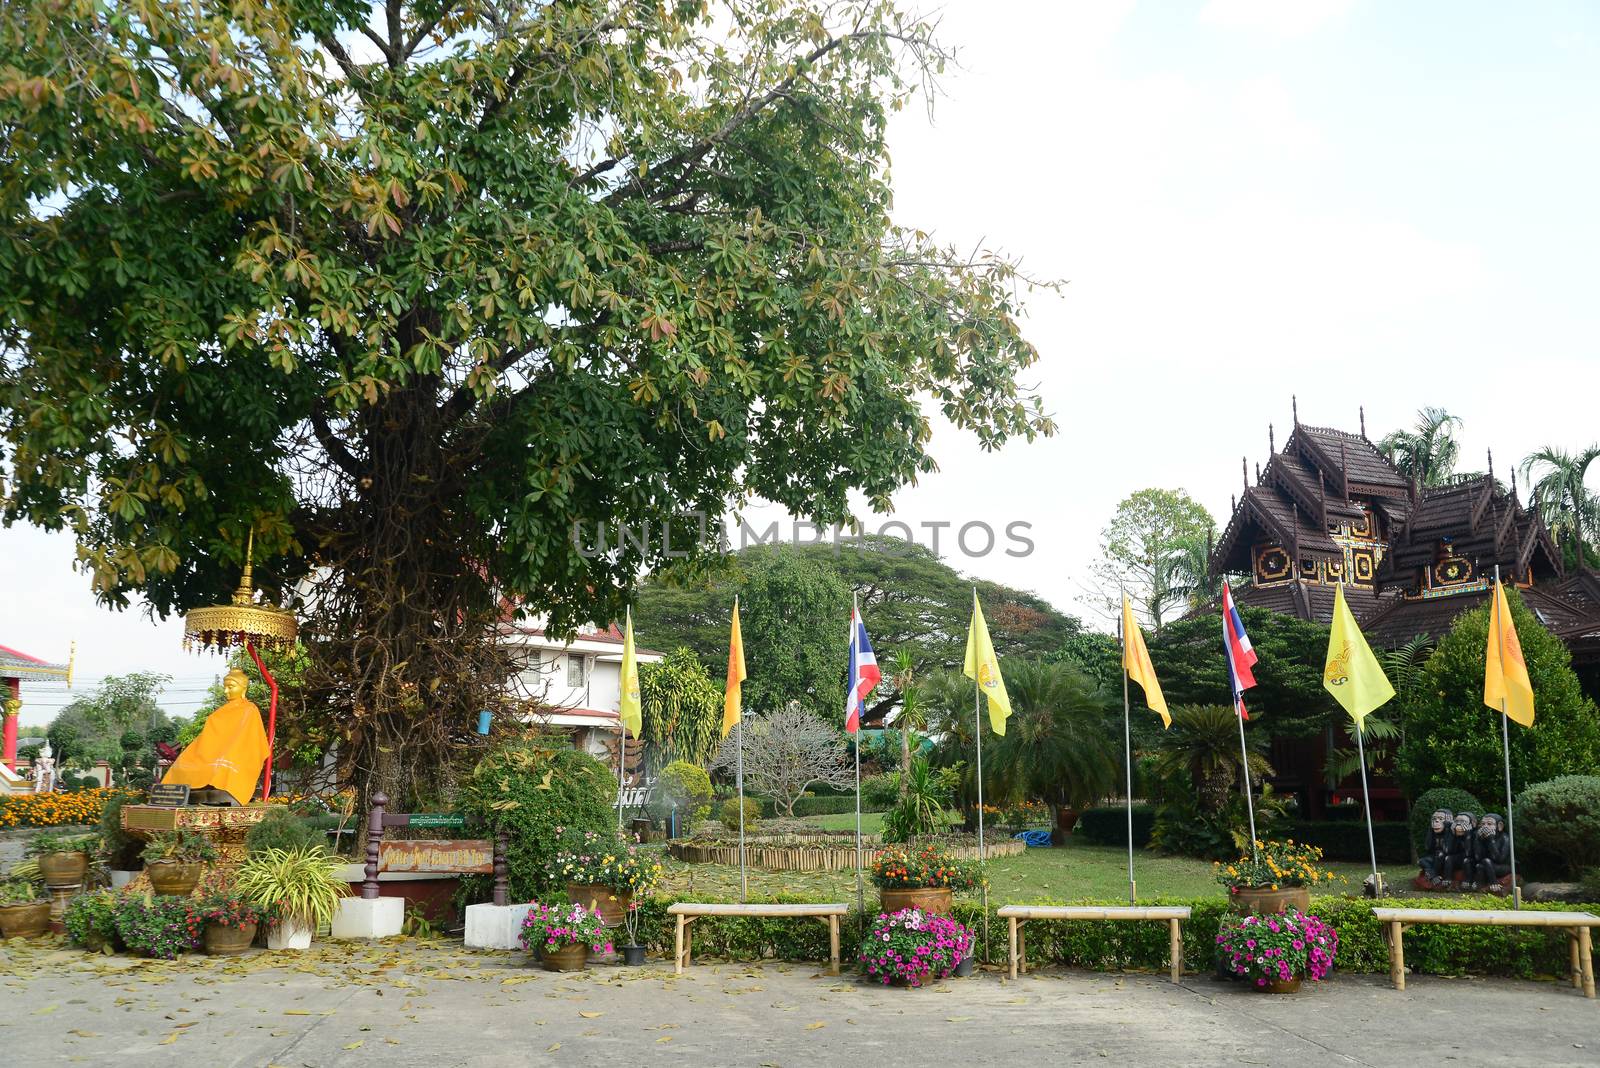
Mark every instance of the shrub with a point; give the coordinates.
(1590, 885)
(900, 868)
(298, 886)
(1447, 797)
(159, 927)
(18, 892)
(44, 843)
(595, 859)
(912, 947)
(1561, 819)
(688, 785)
(527, 791)
(1109, 825)
(728, 813)
(920, 810)
(91, 919)
(1184, 829)
(284, 830)
(182, 845)
(1272, 865)
(1266, 949)
(878, 792)
(120, 848)
(1346, 839)
(1452, 737)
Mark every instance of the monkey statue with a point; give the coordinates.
(1432, 855)
(1492, 870)
(1459, 850)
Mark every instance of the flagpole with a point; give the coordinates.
(1244, 753)
(738, 744)
(1505, 749)
(622, 764)
(1127, 753)
(977, 721)
(1366, 802)
(855, 640)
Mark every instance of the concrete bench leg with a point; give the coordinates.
(1586, 960)
(1012, 943)
(1177, 950)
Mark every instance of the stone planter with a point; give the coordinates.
(174, 878)
(612, 906)
(1280, 986)
(936, 899)
(1260, 901)
(64, 869)
(221, 941)
(25, 921)
(566, 959)
(290, 934)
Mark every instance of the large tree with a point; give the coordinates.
(1154, 548)
(1559, 490)
(424, 292)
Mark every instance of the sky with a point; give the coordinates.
(1355, 203)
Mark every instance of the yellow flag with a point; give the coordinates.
(1506, 686)
(736, 676)
(1352, 673)
(1136, 662)
(984, 666)
(632, 712)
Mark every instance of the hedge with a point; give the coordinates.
(818, 806)
(1109, 826)
(1343, 840)
(1523, 952)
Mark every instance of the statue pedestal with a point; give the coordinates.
(495, 926)
(378, 918)
(225, 826)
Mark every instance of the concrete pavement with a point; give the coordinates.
(402, 1003)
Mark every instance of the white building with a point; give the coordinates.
(581, 680)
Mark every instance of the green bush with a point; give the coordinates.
(1446, 797)
(728, 813)
(1561, 821)
(1347, 840)
(1452, 737)
(91, 921)
(1182, 828)
(819, 806)
(121, 849)
(878, 792)
(1590, 885)
(1109, 825)
(689, 786)
(528, 790)
(286, 831)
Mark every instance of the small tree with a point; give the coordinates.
(1148, 549)
(785, 753)
(681, 709)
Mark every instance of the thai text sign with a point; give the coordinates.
(446, 856)
(436, 819)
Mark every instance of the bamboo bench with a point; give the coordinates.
(1577, 924)
(687, 912)
(1017, 915)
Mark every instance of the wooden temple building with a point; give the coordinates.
(1329, 507)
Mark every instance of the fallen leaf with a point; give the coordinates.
(590, 1015)
(814, 1026)
(357, 1044)
(553, 1047)
(663, 1038)
(83, 1034)
(170, 1039)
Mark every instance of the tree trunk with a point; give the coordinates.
(905, 760)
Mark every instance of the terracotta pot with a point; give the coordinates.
(223, 941)
(173, 878)
(566, 959)
(1280, 986)
(1066, 819)
(612, 906)
(1260, 901)
(936, 899)
(25, 921)
(63, 869)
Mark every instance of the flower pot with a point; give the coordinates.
(120, 878)
(612, 906)
(174, 878)
(63, 869)
(25, 921)
(228, 941)
(633, 956)
(937, 899)
(964, 969)
(290, 934)
(566, 959)
(1263, 902)
(1280, 986)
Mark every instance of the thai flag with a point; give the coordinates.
(1236, 644)
(864, 673)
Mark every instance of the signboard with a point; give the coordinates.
(445, 856)
(169, 795)
(436, 819)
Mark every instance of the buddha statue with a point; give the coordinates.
(231, 749)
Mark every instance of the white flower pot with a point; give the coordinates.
(119, 879)
(290, 934)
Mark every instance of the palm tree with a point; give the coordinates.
(1204, 742)
(1188, 572)
(1567, 506)
(1428, 453)
(913, 715)
(1058, 744)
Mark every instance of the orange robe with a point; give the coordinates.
(229, 754)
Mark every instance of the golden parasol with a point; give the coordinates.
(244, 622)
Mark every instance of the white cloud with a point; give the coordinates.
(1278, 18)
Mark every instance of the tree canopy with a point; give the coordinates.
(119, 722)
(1155, 547)
(417, 290)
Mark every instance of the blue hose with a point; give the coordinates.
(1034, 839)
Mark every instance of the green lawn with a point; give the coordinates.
(1075, 872)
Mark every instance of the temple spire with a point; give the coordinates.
(1294, 406)
(1491, 465)
(1244, 472)
(1363, 410)
(1272, 446)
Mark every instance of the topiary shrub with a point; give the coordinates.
(1448, 797)
(284, 830)
(528, 790)
(1561, 822)
(729, 814)
(878, 792)
(1452, 737)
(689, 786)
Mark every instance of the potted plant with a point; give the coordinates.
(63, 859)
(160, 926)
(1273, 878)
(924, 878)
(230, 924)
(119, 850)
(563, 936)
(632, 952)
(173, 860)
(603, 872)
(912, 947)
(1276, 951)
(24, 913)
(91, 922)
(301, 888)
